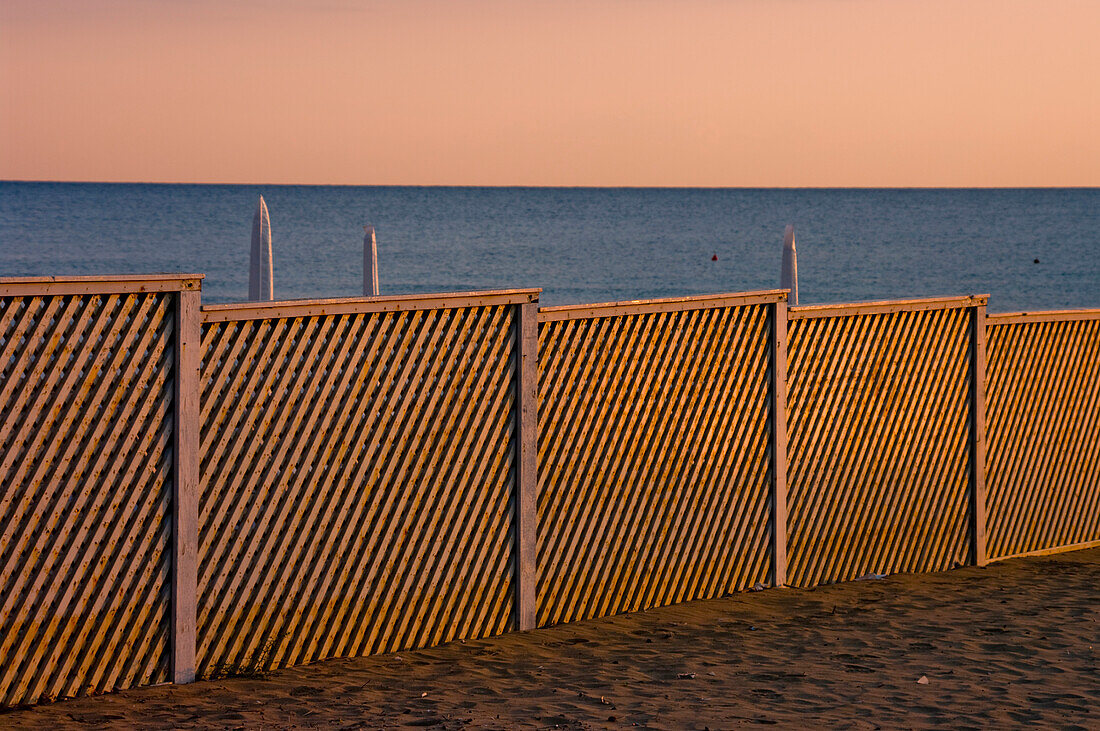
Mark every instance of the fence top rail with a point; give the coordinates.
(668, 304)
(1020, 318)
(98, 284)
(366, 305)
(806, 312)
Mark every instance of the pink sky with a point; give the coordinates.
(553, 92)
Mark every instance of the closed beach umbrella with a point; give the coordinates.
(788, 275)
(370, 262)
(261, 267)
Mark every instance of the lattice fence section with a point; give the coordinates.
(357, 479)
(86, 459)
(1043, 416)
(654, 459)
(878, 444)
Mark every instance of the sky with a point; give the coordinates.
(754, 93)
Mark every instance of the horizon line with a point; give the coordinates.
(564, 187)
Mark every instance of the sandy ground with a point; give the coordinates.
(1015, 644)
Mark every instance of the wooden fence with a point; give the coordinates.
(192, 490)
(655, 461)
(1043, 416)
(357, 477)
(880, 432)
(89, 474)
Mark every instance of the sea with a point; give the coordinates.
(1029, 249)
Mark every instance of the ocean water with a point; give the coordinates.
(577, 244)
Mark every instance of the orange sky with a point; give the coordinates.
(553, 92)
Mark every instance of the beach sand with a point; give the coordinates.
(1013, 644)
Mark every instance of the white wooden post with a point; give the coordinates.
(779, 443)
(978, 503)
(185, 494)
(527, 341)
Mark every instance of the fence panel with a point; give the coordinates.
(654, 453)
(86, 399)
(1044, 432)
(357, 478)
(879, 439)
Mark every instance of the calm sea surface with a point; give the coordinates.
(578, 244)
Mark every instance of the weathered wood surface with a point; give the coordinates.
(185, 498)
(526, 463)
(779, 442)
(978, 440)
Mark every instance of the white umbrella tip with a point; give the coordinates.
(788, 235)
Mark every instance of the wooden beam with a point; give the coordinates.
(1019, 318)
(779, 442)
(1050, 551)
(978, 501)
(361, 305)
(669, 304)
(114, 284)
(185, 482)
(885, 306)
(527, 342)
